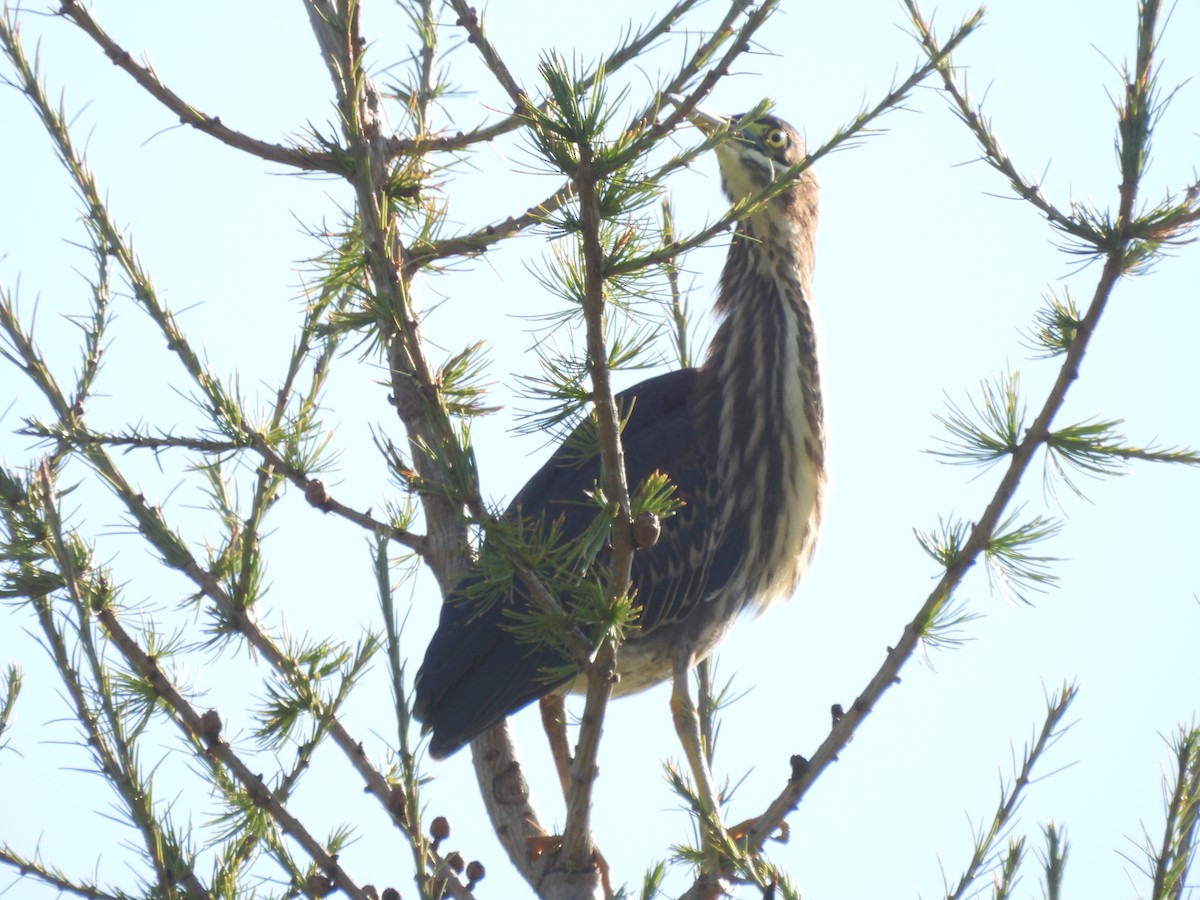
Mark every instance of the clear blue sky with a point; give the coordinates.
(926, 276)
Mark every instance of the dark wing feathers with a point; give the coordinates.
(476, 672)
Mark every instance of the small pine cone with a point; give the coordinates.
(646, 529)
(210, 726)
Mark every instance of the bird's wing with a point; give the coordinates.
(476, 670)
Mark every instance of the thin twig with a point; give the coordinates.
(297, 157)
(315, 491)
(190, 721)
(318, 495)
(32, 868)
(1010, 801)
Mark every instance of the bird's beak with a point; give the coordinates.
(705, 119)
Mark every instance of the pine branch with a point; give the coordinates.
(235, 615)
(986, 839)
(11, 682)
(33, 868)
(601, 674)
(678, 307)
(107, 736)
(1172, 860)
(1054, 860)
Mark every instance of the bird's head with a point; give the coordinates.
(754, 151)
(757, 151)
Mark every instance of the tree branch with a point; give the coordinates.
(296, 157)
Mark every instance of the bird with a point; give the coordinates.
(742, 439)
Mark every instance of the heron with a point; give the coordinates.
(741, 437)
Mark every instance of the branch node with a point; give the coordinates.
(799, 766)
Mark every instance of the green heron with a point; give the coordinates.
(742, 439)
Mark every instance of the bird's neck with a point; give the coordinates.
(764, 354)
(777, 245)
(760, 396)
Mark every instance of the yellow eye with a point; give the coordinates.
(776, 139)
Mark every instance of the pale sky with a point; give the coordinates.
(928, 274)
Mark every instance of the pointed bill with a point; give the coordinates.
(703, 118)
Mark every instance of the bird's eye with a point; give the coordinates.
(776, 139)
